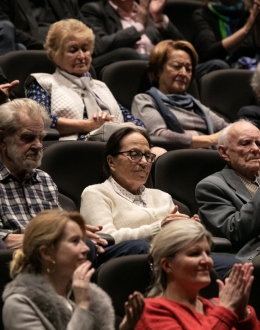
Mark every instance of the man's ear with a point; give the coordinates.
(222, 150)
(111, 164)
(2, 138)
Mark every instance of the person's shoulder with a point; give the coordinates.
(99, 187)
(157, 193)
(99, 83)
(214, 178)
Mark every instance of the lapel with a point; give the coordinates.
(26, 10)
(112, 16)
(236, 184)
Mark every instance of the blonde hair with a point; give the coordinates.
(63, 31)
(161, 53)
(46, 228)
(10, 114)
(170, 240)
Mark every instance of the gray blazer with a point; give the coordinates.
(228, 210)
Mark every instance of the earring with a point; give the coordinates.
(51, 268)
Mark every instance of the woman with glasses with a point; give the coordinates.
(122, 205)
(167, 110)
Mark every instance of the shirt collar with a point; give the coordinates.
(30, 177)
(142, 196)
(122, 13)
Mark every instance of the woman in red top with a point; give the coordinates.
(181, 268)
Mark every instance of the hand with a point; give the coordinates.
(6, 88)
(133, 310)
(143, 13)
(156, 9)
(174, 215)
(196, 218)
(253, 15)
(80, 284)
(14, 241)
(235, 292)
(96, 239)
(98, 120)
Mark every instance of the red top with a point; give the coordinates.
(164, 314)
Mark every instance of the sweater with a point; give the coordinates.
(122, 219)
(30, 302)
(144, 108)
(161, 313)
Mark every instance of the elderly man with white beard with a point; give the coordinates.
(24, 190)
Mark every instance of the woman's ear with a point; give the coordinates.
(46, 253)
(166, 265)
(111, 163)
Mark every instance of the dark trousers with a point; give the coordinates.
(223, 263)
(7, 38)
(117, 250)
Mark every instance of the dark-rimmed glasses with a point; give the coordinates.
(137, 155)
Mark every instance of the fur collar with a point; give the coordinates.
(53, 307)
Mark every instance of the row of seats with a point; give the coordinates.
(215, 90)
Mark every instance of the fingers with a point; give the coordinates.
(93, 229)
(84, 271)
(103, 115)
(134, 307)
(92, 235)
(196, 218)
(14, 83)
(175, 209)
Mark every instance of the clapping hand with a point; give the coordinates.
(133, 310)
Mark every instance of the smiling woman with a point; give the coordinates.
(166, 109)
(181, 266)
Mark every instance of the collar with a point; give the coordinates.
(142, 196)
(122, 13)
(5, 175)
(249, 181)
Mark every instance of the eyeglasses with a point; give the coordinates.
(137, 155)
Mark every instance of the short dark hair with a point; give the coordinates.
(114, 143)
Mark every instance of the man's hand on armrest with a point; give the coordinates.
(14, 241)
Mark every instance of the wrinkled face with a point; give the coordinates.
(191, 266)
(176, 73)
(71, 251)
(128, 173)
(76, 58)
(23, 150)
(243, 151)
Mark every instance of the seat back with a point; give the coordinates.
(20, 64)
(74, 165)
(126, 79)
(180, 12)
(5, 259)
(226, 91)
(179, 171)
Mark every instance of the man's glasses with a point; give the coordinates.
(136, 155)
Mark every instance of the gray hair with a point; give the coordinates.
(223, 138)
(255, 82)
(10, 114)
(170, 240)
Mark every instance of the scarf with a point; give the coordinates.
(92, 102)
(227, 15)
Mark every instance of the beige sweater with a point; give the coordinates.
(101, 205)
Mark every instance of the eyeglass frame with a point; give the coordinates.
(143, 155)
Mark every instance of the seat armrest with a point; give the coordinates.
(220, 244)
(159, 141)
(51, 134)
(110, 239)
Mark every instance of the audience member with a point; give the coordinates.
(122, 205)
(76, 103)
(131, 30)
(51, 263)
(25, 190)
(166, 109)
(30, 20)
(225, 30)
(229, 200)
(252, 112)
(181, 266)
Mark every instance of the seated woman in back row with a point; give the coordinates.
(181, 266)
(76, 103)
(122, 204)
(166, 109)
